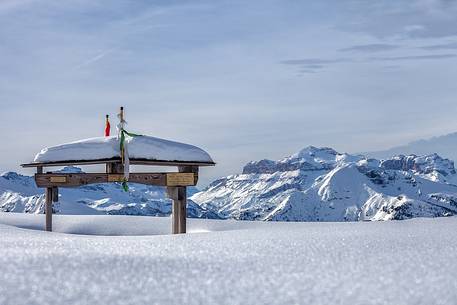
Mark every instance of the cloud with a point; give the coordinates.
(444, 46)
(370, 48)
(312, 65)
(94, 59)
(311, 61)
(401, 19)
(415, 57)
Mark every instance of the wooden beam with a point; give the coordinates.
(78, 179)
(118, 160)
(48, 209)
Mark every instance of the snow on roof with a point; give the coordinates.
(139, 147)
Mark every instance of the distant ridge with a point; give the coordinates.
(445, 146)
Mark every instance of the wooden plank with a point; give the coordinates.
(78, 179)
(117, 160)
(48, 209)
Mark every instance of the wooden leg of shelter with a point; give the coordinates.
(48, 208)
(55, 194)
(178, 211)
(182, 209)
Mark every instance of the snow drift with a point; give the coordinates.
(408, 262)
(140, 147)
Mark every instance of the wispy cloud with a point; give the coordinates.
(444, 46)
(312, 61)
(415, 57)
(94, 59)
(402, 19)
(370, 48)
(312, 65)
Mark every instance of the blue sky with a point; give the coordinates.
(244, 79)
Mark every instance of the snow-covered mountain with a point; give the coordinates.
(316, 184)
(19, 193)
(320, 184)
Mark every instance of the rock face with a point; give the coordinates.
(19, 193)
(310, 158)
(320, 184)
(424, 165)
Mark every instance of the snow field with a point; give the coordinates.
(407, 262)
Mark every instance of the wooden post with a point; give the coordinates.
(182, 195)
(173, 195)
(48, 208)
(114, 168)
(55, 194)
(178, 209)
(179, 197)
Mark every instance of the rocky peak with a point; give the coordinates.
(309, 158)
(421, 164)
(70, 170)
(12, 176)
(313, 151)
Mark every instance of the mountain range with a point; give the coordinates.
(315, 184)
(320, 184)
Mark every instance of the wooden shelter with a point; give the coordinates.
(112, 152)
(175, 182)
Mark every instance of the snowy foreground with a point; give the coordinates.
(226, 262)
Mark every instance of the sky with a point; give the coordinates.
(245, 80)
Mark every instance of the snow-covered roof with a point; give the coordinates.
(139, 147)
